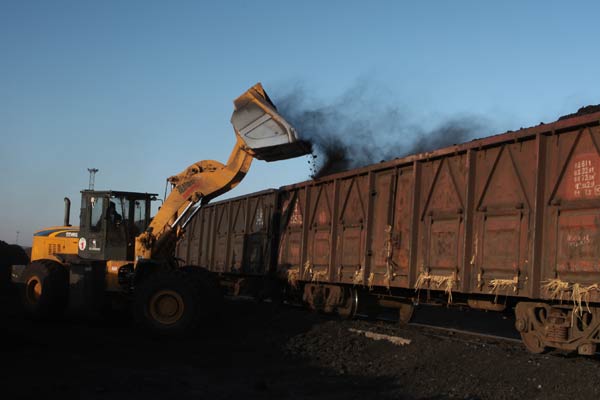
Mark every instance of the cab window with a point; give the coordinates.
(95, 207)
(139, 217)
(118, 210)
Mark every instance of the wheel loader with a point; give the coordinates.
(120, 253)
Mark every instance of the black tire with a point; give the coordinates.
(46, 289)
(174, 302)
(208, 282)
(212, 291)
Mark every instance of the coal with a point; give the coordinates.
(582, 111)
(10, 254)
(260, 350)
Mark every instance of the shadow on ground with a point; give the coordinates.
(242, 355)
(264, 351)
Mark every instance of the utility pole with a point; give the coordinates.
(17, 239)
(92, 180)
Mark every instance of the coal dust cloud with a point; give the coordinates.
(362, 127)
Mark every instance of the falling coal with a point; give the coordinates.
(359, 128)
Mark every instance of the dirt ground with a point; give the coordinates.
(264, 351)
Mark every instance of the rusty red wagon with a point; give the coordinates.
(511, 220)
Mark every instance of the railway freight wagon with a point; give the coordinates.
(511, 220)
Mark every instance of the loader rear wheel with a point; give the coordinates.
(46, 289)
(172, 302)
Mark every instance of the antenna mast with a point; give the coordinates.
(92, 180)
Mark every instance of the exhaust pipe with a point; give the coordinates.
(67, 211)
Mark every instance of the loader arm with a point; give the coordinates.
(260, 133)
(201, 181)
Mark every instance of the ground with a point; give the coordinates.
(264, 351)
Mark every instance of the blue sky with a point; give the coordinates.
(141, 89)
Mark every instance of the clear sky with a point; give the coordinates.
(141, 89)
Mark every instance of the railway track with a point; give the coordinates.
(451, 332)
(466, 325)
(473, 327)
(469, 326)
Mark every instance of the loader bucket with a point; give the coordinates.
(267, 134)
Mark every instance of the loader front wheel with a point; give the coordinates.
(170, 302)
(46, 289)
(166, 306)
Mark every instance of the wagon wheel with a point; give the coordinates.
(348, 309)
(533, 343)
(530, 319)
(405, 313)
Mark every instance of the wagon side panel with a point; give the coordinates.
(442, 202)
(504, 210)
(572, 216)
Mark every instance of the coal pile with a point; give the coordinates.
(263, 351)
(10, 254)
(435, 366)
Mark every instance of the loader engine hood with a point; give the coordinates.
(265, 132)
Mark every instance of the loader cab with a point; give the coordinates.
(110, 222)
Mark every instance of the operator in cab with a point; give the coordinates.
(112, 215)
